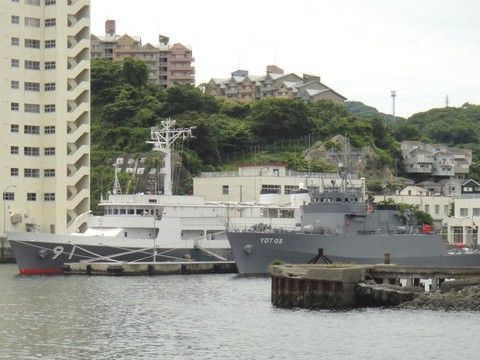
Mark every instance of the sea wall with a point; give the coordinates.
(348, 286)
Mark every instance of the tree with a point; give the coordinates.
(281, 118)
(135, 72)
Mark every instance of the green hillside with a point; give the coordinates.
(125, 105)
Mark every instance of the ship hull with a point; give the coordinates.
(47, 254)
(254, 252)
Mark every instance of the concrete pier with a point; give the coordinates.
(343, 286)
(6, 254)
(151, 268)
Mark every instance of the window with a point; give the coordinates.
(476, 212)
(32, 22)
(427, 208)
(15, 41)
(31, 129)
(446, 210)
(270, 189)
(49, 173)
(31, 173)
(50, 65)
(290, 189)
(32, 108)
(437, 209)
(50, 108)
(14, 172)
(15, 19)
(33, 2)
(49, 129)
(50, 2)
(14, 150)
(29, 86)
(50, 87)
(31, 151)
(50, 44)
(463, 212)
(14, 128)
(31, 197)
(49, 151)
(14, 84)
(32, 65)
(32, 43)
(49, 197)
(9, 196)
(225, 189)
(50, 22)
(14, 106)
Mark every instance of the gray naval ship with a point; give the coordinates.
(338, 225)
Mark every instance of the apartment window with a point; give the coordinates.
(225, 190)
(49, 151)
(33, 2)
(29, 86)
(50, 44)
(50, 65)
(50, 22)
(15, 41)
(49, 197)
(49, 129)
(32, 65)
(50, 2)
(32, 108)
(437, 209)
(32, 22)
(463, 212)
(15, 63)
(15, 0)
(14, 150)
(50, 87)
(15, 19)
(14, 128)
(32, 43)
(31, 151)
(427, 208)
(31, 173)
(31, 129)
(50, 108)
(14, 172)
(14, 84)
(476, 212)
(446, 210)
(14, 106)
(10, 196)
(49, 173)
(31, 197)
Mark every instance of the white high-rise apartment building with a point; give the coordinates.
(44, 114)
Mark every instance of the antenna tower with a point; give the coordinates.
(394, 95)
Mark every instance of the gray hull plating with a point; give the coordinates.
(255, 251)
(35, 257)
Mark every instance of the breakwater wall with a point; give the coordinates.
(347, 286)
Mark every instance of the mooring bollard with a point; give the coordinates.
(386, 258)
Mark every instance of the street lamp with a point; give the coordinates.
(5, 209)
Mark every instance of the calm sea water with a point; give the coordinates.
(208, 317)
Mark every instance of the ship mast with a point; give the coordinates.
(163, 139)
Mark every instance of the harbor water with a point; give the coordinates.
(223, 316)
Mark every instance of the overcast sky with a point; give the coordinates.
(425, 50)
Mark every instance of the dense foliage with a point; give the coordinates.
(125, 105)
